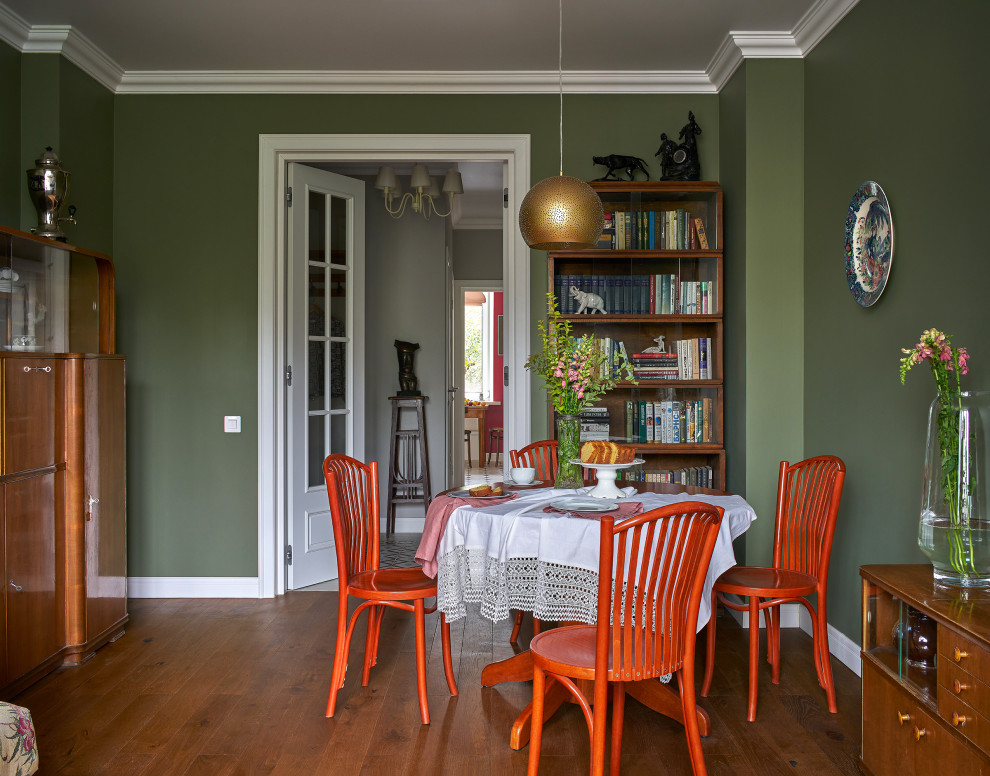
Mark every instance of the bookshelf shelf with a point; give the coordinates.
(657, 279)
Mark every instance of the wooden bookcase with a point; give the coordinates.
(652, 290)
(926, 668)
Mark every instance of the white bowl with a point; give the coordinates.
(523, 475)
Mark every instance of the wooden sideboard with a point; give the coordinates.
(926, 674)
(62, 513)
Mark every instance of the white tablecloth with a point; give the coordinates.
(516, 556)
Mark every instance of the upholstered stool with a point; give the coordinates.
(494, 443)
(18, 746)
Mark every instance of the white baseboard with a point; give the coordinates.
(193, 587)
(842, 648)
(408, 524)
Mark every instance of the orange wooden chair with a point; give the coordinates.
(542, 456)
(808, 495)
(354, 508)
(651, 577)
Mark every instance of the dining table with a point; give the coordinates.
(527, 551)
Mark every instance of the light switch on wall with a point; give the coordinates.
(232, 424)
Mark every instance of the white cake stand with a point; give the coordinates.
(605, 473)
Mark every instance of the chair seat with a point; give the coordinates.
(409, 583)
(762, 580)
(570, 651)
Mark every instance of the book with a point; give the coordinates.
(702, 237)
(650, 436)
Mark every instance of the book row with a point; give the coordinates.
(657, 294)
(653, 230)
(689, 359)
(670, 422)
(700, 476)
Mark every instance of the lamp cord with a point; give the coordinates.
(560, 75)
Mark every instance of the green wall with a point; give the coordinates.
(894, 94)
(185, 248)
(10, 137)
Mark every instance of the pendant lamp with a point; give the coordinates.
(561, 213)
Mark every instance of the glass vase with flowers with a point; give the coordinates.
(576, 372)
(954, 531)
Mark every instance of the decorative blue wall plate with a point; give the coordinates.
(869, 243)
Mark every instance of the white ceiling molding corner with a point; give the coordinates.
(14, 30)
(766, 45)
(725, 62)
(819, 21)
(77, 48)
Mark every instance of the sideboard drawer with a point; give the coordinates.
(956, 683)
(965, 719)
(956, 649)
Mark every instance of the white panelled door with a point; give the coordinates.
(325, 376)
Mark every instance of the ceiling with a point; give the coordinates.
(415, 45)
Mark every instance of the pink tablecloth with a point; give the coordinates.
(437, 515)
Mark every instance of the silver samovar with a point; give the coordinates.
(48, 185)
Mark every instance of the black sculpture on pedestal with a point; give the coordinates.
(679, 162)
(408, 382)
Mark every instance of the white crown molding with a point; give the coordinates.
(737, 46)
(412, 82)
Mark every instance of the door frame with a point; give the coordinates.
(456, 433)
(276, 151)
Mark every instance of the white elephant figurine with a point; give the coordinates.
(588, 301)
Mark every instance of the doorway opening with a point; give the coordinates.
(275, 154)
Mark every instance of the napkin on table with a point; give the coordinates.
(437, 515)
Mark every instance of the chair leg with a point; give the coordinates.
(517, 626)
(370, 644)
(754, 655)
(448, 666)
(771, 617)
(536, 721)
(339, 658)
(618, 715)
(424, 709)
(824, 656)
(537, 627)
(710, 648)
(689, 708)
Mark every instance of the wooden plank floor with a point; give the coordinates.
(240, 687)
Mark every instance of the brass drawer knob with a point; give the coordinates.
(902, 718)
(959, 686)
(919, 733)
(959, 654)
(959, 719)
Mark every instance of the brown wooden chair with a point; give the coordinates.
(354, 508)
(808, 495)
(541, 456)
(651, 576)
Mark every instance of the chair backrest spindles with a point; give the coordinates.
(651, 578)
(808, 497)
(353, 493)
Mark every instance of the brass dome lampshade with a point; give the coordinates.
(561, 213)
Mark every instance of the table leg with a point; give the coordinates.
(653, 694)
(482, 439)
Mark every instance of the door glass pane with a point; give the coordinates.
(338, 302)
(317, 449)
(317, 381)
(317, 226)
(338, 230)
(317, 300)
(338, 383)
(338, 434)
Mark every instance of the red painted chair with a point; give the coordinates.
(354, 508)
(646, 625)
(808, 495)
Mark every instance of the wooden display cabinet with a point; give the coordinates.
(62, 508)
(926, 674)
(652, 290)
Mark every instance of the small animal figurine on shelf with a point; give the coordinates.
(659, 347)
(679, 162)
(618, 162)
(588, 301)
